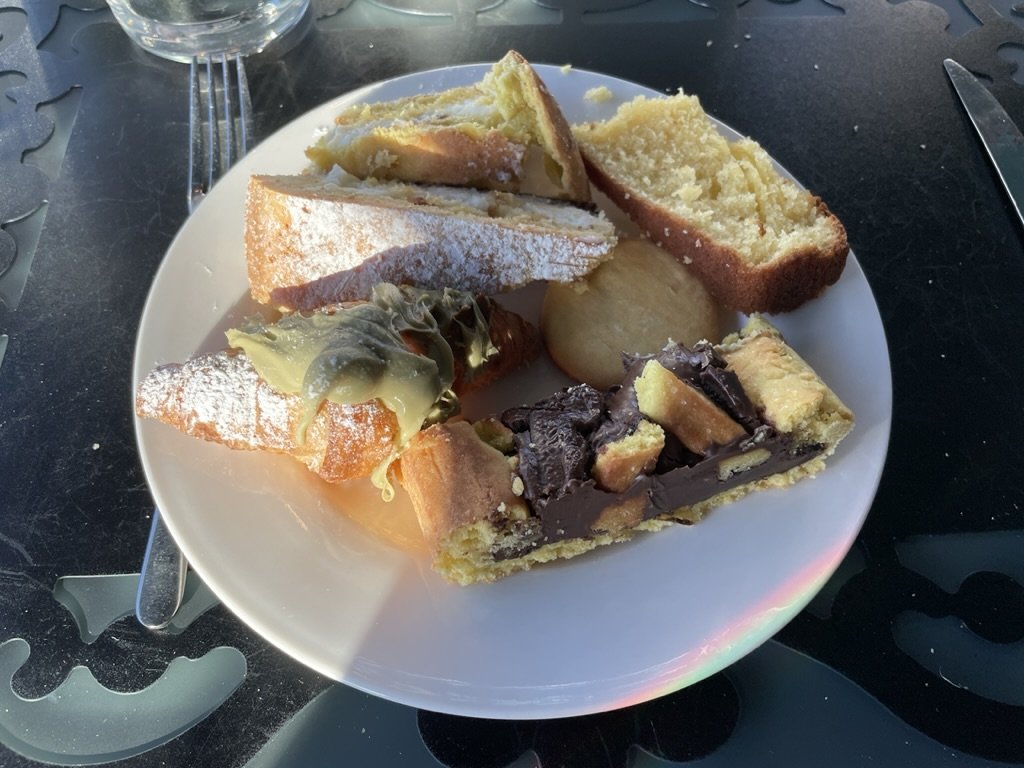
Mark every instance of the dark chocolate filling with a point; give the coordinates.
(558, 438)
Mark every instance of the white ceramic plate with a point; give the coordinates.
(298, 561)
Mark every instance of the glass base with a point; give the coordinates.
(182, 29)
(436, 7)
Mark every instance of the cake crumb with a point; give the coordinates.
(600, 94)
(709, 43)
(566, 69)
(95, 446)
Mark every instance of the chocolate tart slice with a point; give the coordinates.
(686, 431)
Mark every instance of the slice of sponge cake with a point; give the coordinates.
(758, 241)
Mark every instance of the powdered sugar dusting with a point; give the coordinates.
(219, 397)
(317, 244)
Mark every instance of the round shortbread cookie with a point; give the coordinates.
(635, 302)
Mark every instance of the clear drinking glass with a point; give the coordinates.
(181, 29)
(436, 7)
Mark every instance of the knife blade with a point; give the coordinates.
(999, 135)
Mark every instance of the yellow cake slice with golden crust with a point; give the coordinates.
(758, 241)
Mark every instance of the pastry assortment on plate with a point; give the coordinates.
(378, 266)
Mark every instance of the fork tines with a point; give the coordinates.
(220, 115)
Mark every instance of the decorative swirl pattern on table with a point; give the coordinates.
(72, 725)
(29, 78)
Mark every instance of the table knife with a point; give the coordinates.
(1001, 138)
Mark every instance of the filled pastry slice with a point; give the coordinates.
(505, 132)
(342, 389)
(687, 430)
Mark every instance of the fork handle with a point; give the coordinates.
(162, 581)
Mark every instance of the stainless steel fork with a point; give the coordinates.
(220, 128)
(162, 580)
(220, 121)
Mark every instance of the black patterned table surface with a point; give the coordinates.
(912, 655)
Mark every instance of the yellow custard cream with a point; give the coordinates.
(358, 353)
